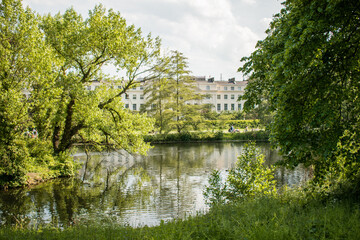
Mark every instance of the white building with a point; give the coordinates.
(222, 95)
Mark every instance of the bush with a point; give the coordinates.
(249, 178)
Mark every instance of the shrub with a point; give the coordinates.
(249, 178)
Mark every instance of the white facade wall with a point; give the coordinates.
(222, 95)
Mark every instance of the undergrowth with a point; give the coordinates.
(286, 217)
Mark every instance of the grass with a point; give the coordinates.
(264, 218)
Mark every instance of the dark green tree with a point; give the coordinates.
(307, 68)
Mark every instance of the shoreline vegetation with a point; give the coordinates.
(202, 136)
(219, 135)
(291, 215)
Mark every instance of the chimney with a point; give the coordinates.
(232, 80)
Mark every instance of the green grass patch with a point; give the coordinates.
(263, 218)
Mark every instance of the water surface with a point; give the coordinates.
(120, 188)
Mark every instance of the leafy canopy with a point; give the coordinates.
(307, 68)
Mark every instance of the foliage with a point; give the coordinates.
(158, 94)
(46, 65)
(307, 68)
(208, 136)
(25, 64)
(83, 47)
(183, 92)
(249, 178)
(261, 112)
(238, 124)
(263, 218)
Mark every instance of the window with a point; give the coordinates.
(134, 96)
(239, 88)
(142, 107)
(126, 105)
(141, 88)
(126, 96)
(225, 88)
(218, 96)
(225, 107)
(219, 107)
(208, 96)
(232, 88)
(239, 106)
(134, 107)
(134, 87)
(207, 87)
(225, 96)
(141, 96)
(119, 87)
(232, 96)
(232, 107)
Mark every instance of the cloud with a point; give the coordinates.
(213, 34)
(250, 2)
(266, 21)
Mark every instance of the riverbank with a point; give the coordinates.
(203, 136)
(287, 217)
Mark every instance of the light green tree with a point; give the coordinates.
(25, 65)
(184, 98)
(84, 47)
(158, 94)
(308, 69)
(53, 66)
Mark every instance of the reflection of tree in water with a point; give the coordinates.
(174, 168)
(105, 188)
(164, 185)
(15, 206)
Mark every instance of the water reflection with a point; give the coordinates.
(127, 189)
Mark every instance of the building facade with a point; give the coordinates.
(222, 95)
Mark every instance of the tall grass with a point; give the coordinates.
(290, 217)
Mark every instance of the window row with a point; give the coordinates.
(226, 107)
(232, 96)
(134, 96)
(135, 107)
(224, 88)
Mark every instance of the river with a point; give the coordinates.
(117, 187)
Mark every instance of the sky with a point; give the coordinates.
(213, 34)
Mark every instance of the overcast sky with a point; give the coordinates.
(213, 34)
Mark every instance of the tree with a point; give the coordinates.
(184, 98)
(308, 69)
(171, 96)
(158, 93)
(52, 61)
(83, 48)
(25, 64)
